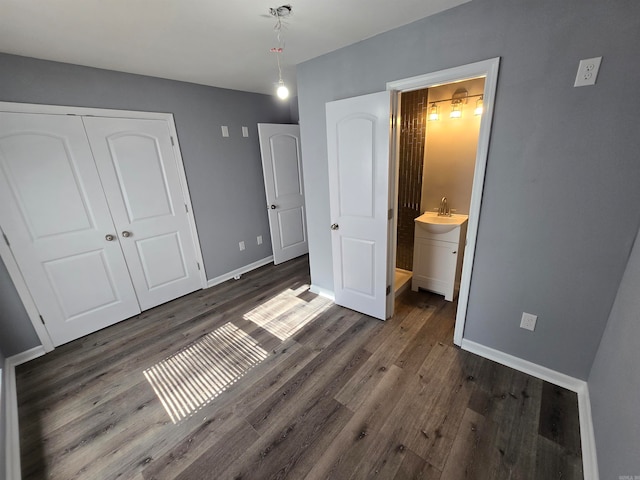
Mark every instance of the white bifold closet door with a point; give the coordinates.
(140, 179)
(96, 240)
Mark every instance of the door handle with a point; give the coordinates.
(335, 226)
(272, 207)
(126, 234)
(109, 237)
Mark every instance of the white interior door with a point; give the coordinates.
(358, 152)
(282, 168)
(139, 173)
(55, 216)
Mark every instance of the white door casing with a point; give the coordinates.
(56, 218)
(489, 70)
(358, 137)
(139, 174)
(282, 169)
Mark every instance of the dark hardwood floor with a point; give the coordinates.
(260, 379)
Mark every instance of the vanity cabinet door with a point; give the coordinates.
(434, 266)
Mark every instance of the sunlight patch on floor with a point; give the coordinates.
(190, 379)
(286, 313)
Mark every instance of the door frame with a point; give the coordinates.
(489, 70)
(5, 251)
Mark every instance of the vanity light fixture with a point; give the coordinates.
(433, 112)
(458, 99)
(479, 106)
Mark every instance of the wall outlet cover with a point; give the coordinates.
(241, 245)
(225, 131)
(587, 72)
(528, 321)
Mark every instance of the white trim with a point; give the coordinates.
(580, 387)
(587, 435)
(12, 430)
(5, 252)
(239, 271)
(489, 70)
(323, 292)
(82, 111)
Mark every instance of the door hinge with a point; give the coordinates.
(186, 208)
(6, 240)
(198, 263)
(172, 142)
(388, 289)
(390, 214)
(41, 319)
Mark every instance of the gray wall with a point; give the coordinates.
(224, 174)
(16, 332)
(560, 207)
(614, 382)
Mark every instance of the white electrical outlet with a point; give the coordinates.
(245, 132)
(587, 72)
(259, 239)
(528, 321)
(225, 131)
(241, 245)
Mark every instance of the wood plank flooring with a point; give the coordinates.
(339, 396)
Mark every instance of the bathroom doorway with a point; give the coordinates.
(441, 143)
(439, 129)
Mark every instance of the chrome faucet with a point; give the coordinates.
(444, 210)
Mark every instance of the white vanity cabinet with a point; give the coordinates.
(438, 253)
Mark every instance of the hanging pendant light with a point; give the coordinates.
(282, 90)
(279, 13)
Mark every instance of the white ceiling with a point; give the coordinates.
(210, 42)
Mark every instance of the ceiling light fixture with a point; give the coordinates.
(279, 13)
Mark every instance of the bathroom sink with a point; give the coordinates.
(434, 223)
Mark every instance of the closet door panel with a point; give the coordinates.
(55, 215)
(139, 173)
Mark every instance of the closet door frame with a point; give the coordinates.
(5, 251)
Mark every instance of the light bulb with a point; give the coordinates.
(283, 91)
(433, 112)
(479, 107)
(456, 111)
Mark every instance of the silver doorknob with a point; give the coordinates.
(126, 234)
(335, 226)
(109, 237)
(272, 207)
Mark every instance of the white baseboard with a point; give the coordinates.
(580, 387)
(12, 433)
(323, 292)
(239, 271)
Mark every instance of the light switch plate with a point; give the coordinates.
(245, 132)
(225, 131)
(528, 321)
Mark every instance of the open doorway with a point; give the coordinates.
(439, 130)
(439, 159)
